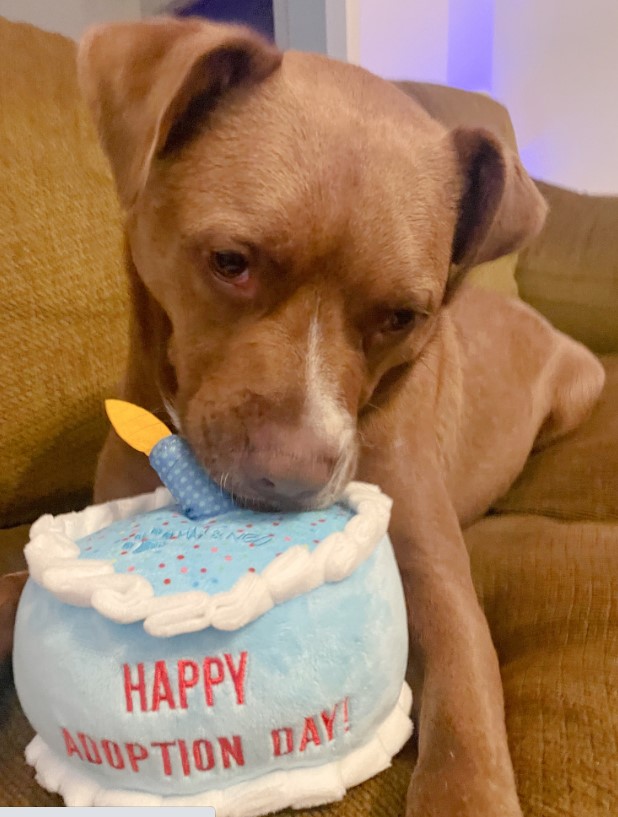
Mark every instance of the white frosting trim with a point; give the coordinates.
(299, 788)
(54, 563)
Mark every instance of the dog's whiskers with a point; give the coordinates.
(172, 413)
(224, 480)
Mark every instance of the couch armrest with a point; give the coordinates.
(570, 272)
(454, 108)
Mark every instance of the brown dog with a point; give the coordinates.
(297, 233)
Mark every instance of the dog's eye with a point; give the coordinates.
(230, 265)
(398, 320)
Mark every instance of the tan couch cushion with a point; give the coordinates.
(577, 477)
(550, 592)
(570, 273)
(61, 277)
(496, 276)
(457, 108)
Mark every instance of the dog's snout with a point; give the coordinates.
(292, 491)
(288, 466)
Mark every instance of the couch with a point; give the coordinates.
(545, 559)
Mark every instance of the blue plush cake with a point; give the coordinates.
(194, 653)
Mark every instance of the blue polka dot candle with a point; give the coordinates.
(196, 493)
(201, 654)
(172, 458)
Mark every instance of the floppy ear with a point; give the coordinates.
(148, 83)
(499, 209)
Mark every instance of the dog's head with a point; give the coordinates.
(295, 225)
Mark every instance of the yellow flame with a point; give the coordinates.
(136, 426)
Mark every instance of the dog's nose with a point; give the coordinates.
(287, 489)
(288, 465)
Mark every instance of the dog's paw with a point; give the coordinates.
(11, 586)
(456, 793)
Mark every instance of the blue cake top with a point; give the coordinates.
(177, 554)
(188, 558)
(139, 559)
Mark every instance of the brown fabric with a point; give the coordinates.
(17, 785)
(61, 278)
(13, 574)
(577, 477)
(11, 588)
(570, 272)
(12, 542)
(550, 592)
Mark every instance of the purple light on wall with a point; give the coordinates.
(470, 44)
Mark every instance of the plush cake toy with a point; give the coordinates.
(175, 649)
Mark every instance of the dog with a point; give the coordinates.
(298, 236)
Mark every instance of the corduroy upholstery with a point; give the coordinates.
(570, 273)
(63, 336)
(545, 563)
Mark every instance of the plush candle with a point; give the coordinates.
(197, 494)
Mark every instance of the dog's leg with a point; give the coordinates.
(464, 767)
(575, 380)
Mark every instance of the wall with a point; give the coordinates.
(553, 63)
(325, 26)
(71, 17)
(405, 39)
(470, 36)
(555, 66)
(400, 39)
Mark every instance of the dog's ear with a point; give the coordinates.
(146, 83)
(499, 206)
